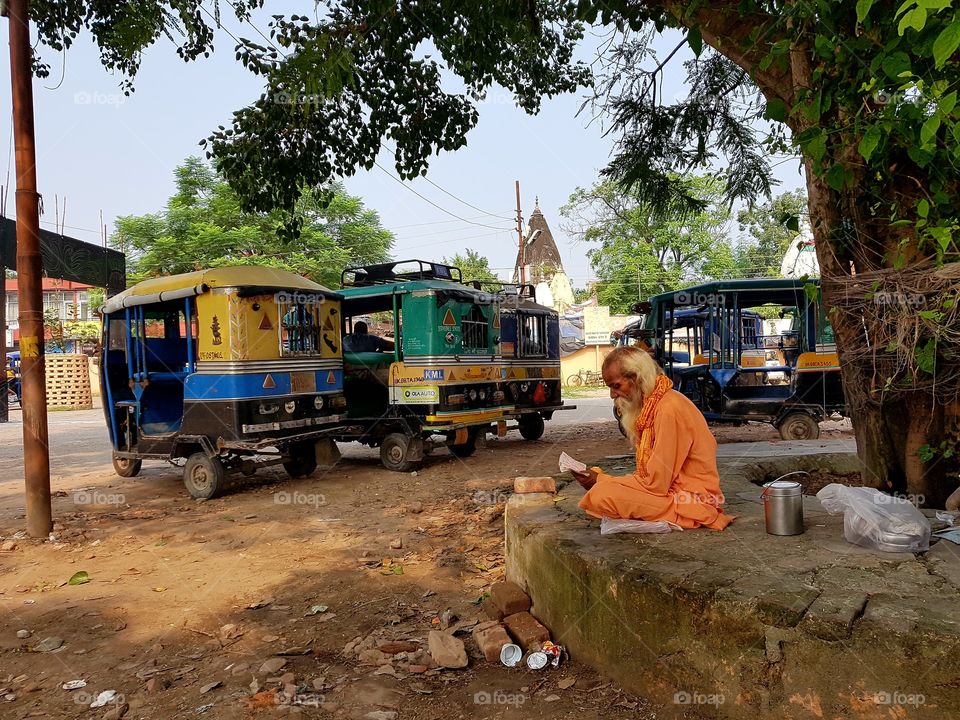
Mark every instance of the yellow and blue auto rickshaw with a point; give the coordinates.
(231, 369)
(438, 381)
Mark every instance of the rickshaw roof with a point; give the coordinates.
(400, 288)
(228, 276)
(760, 290)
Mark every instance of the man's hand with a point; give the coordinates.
(587, 480)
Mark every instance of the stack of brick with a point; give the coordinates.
(509, 609)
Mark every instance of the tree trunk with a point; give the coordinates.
(890, 430)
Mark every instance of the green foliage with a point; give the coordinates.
(640, 252)
(82, 330)
(53, 326)
(766, 233)
(95, 298)
(473, 266)
(204, 226)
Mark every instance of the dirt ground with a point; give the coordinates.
(186, 601)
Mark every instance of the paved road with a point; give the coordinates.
(79, 441)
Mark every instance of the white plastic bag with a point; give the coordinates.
(612, 526)
(876, 520)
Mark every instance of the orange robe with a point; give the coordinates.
(681, 485)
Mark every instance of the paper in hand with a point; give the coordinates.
(568, 463)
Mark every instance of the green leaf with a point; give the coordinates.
(836, 177)
(863, 9)
(79, 578)
(946, 43)
(777, 110)
(695, 40)
(895, 64)
(926, 357)
(869, 142)
(929, 130)
(816, 146)
(916, 19)
(923, 208)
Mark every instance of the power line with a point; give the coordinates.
(431, 202)
(455, 197)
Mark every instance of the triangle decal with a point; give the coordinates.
(327, 324)
(268, 383)
(448, 319)
(496, 321)
(451, 376)
(265, 323)
(331, 378)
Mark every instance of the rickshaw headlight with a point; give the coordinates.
(455, 399)
(318, 402)
(290, 406)
(498, 396)
(483, 394)
(473, 394)
(525, 386)
(264, 409)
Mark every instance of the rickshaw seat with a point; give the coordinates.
(366, 359)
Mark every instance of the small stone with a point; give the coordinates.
(239, 669)
(319, 683)
(290, 690)
(381, 715)
(446, 650)
(272, 665)
(48, 644)
(23, 634)
(270, 638)
(210, 686)
(415, 508)
(396, 544)
(287, 678)
(417, 669)
(116, 712)
(551, 698)
(509, 598)
(8, 546)
(385, 670)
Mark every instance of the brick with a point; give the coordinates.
(490, 640)
(534, 485)
(491, 609)
(509, 598)
(526, 631)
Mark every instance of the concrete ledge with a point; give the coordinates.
(740, 623)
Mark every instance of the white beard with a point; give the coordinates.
(629, 410)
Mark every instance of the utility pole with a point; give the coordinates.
(36, 457)
(522, 254)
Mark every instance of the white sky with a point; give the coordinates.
(106, 152)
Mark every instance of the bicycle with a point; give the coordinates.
(585, 377)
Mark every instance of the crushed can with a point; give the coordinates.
(553, 652)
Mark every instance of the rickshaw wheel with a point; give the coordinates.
(799, 426)
(303, 460)
(204, 476)
(126, 467)
(531, 426)
(394, 453)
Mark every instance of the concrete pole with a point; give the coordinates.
(36, 457)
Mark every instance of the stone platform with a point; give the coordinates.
(739, 623)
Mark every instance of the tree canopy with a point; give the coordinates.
(203, 226)
(473, 266)
(640, 252)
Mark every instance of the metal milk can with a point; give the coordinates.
(783, 507)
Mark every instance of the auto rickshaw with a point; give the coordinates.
(12, 372)
(530, 352)
(231, 369)
(731, 370)
(437, 383)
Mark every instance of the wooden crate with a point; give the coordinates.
(68, 382)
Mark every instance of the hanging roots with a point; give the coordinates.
(910, 319)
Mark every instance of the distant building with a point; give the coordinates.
(542, 266)
(71, 300)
